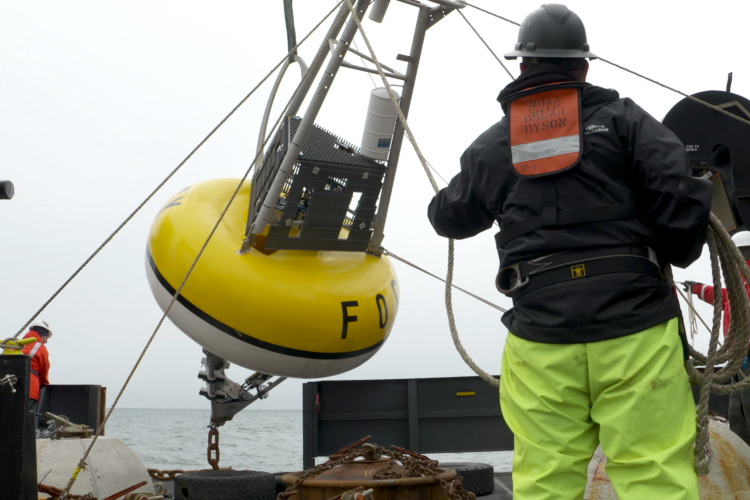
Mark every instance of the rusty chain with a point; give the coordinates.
(415, 465)
(213, 445)
(55, 493)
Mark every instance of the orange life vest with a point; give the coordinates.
(546, 129)
(39, 364)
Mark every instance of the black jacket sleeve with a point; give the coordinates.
(677, 204)
(459, 211)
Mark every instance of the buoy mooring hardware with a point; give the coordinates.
(381, 119)
(293, 313)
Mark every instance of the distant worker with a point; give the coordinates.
(39, 360)
(739, 402)
(593, 198)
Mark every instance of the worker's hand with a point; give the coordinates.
(688, 285)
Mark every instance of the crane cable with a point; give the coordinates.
(100, 430)
(171, 174)
(655, 82)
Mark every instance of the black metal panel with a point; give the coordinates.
(17, 433)
(717, 403)
(441, 394)
(362, 396)
(310, 424)
(464, 434)
(424, 415)
(81, 404)
(461, 414)
(323, 146)
(334, 435)
(317, 195)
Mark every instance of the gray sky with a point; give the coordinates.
(100, 100)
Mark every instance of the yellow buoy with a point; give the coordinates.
(303, 314)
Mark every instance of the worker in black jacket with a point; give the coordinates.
(593, 197)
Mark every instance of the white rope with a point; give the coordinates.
(692, 308)
(428, 273)
(82, 462)
(449, 279)
(691, 315)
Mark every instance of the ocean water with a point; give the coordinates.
(267, 440)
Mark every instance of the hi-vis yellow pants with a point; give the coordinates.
(631, 394)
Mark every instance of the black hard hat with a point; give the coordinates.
(552, 30)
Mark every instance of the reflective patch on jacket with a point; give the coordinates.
(546, 130)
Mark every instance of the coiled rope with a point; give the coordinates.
(723, 252)
(726, 259)
(100, 430)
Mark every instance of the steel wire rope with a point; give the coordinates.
(449, 277)
(486, 45)
(437, 173)
(391, 254)
(100, 430)
(490, 13)
(692, 308)
(171, 174)
(692, 98)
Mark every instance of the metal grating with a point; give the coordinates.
(322, 145)
(318, 194)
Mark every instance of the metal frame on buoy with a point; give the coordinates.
(265, 195)
(275, 175)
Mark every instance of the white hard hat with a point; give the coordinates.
(40, 324)
(742, 239)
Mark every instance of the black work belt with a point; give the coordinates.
(34, 372)
(525, 277)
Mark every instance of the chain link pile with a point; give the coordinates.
(415, 465)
